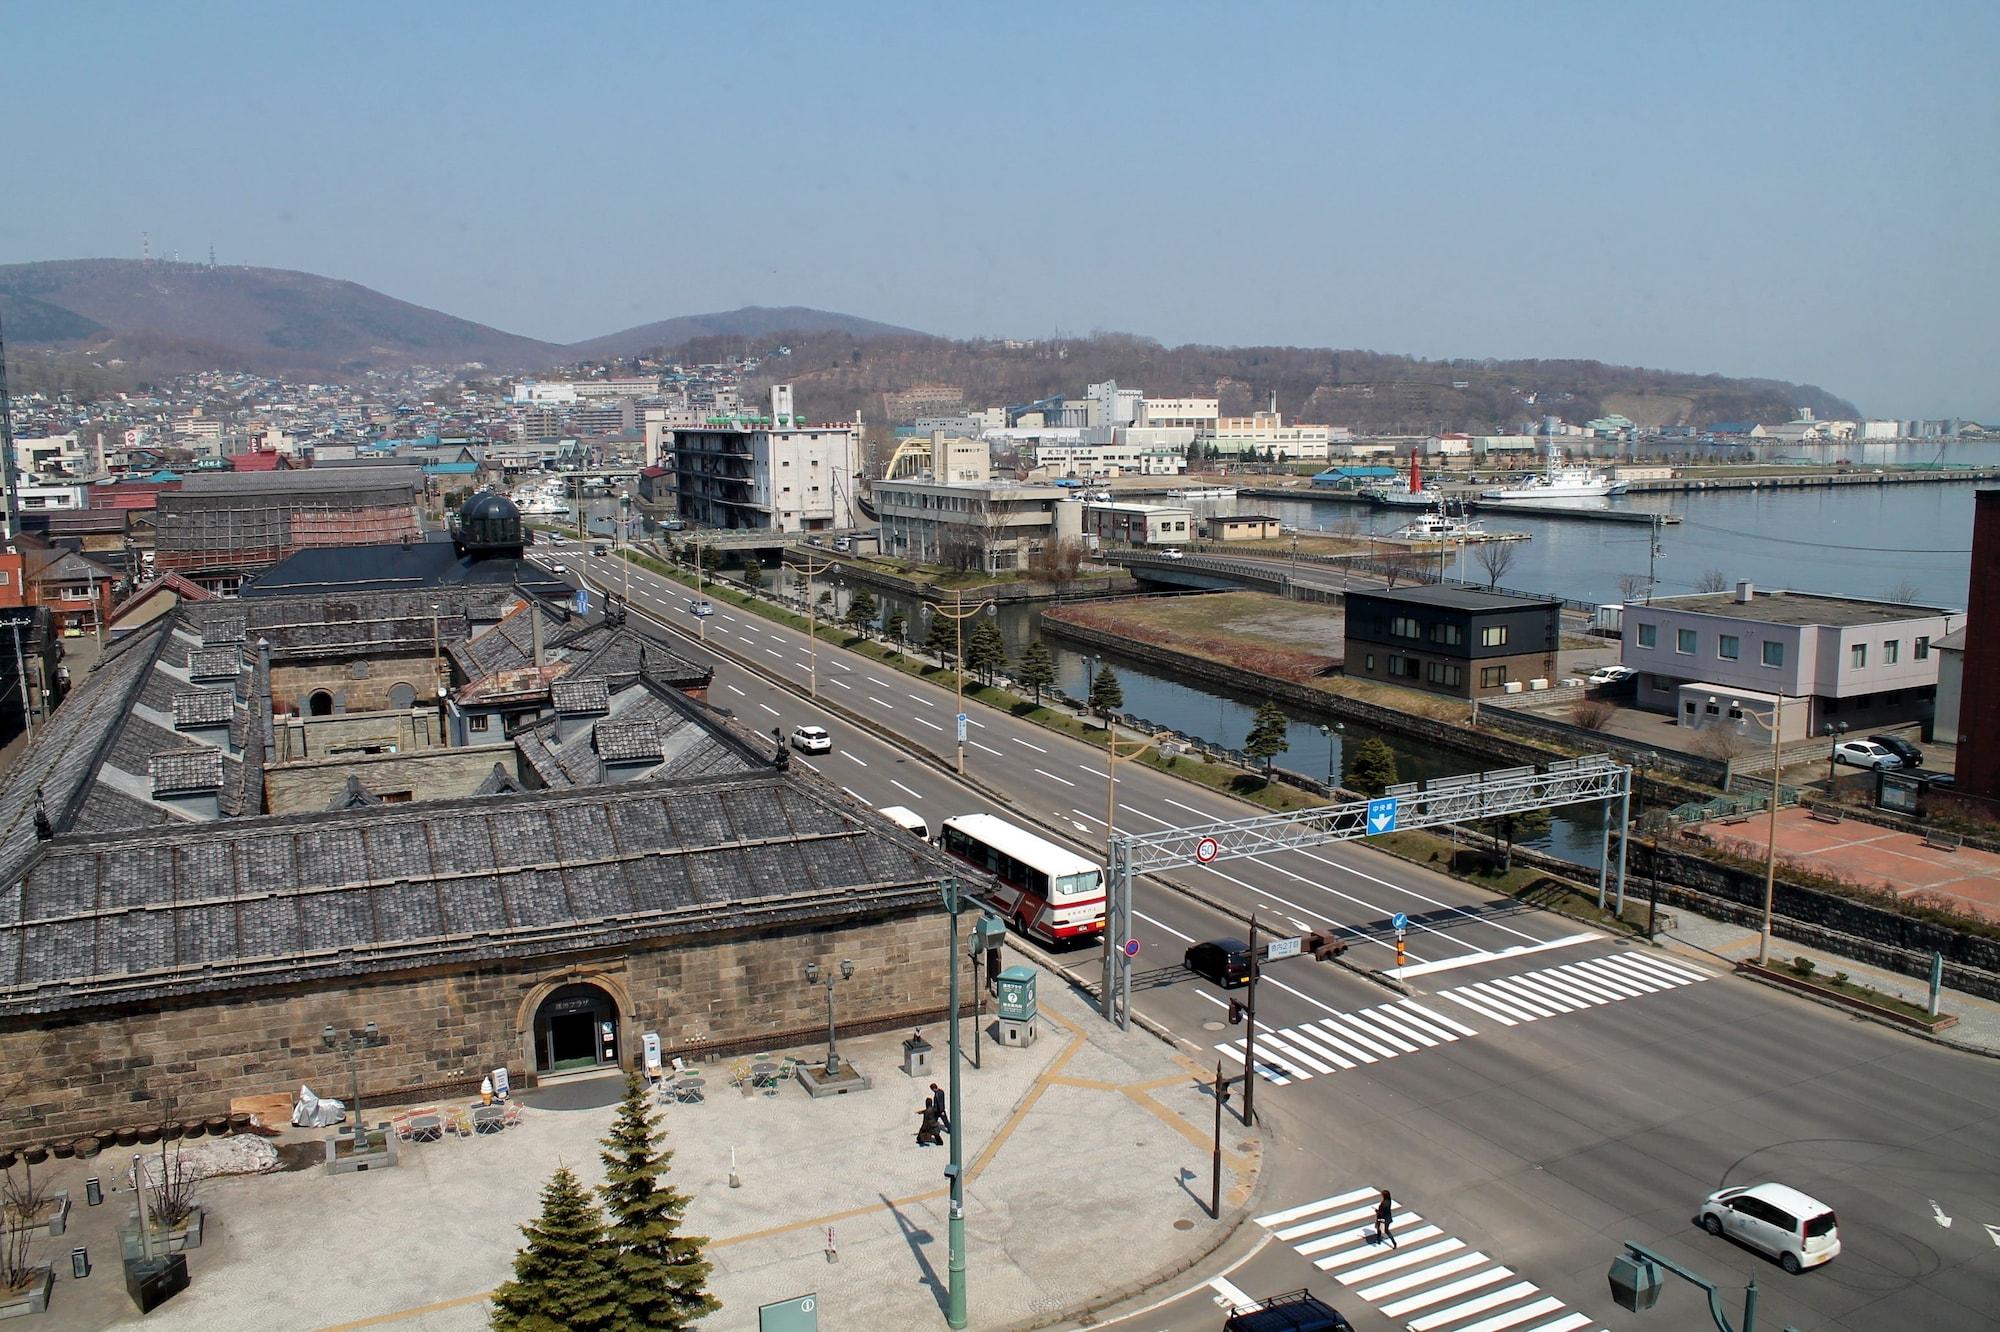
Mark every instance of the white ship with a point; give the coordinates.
(1418, 496)
(1440, 525)
(1199, 493)
(1558, 483)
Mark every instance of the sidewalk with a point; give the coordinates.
(1087, 1159)
(1978, 1019)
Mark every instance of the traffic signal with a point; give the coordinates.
(1235, 1012)
(1324, 947)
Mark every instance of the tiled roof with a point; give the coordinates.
(133, 917)
(204, 707)
(310, 480)
(624, 742)
(185, 771)
(215, 663)
(580, 697)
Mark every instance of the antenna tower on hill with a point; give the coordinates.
(145, 247)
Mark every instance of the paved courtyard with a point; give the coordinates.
(1088, 1171)
(1880, 857)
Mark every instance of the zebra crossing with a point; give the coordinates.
(1435, 1281)
(1532, 995)
(1346, 1041)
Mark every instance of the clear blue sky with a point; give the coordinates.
(1803, 191)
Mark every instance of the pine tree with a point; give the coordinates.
(861, 610)
(711, 558)
(1370, 767)
(1267, 735)
(985, 650)
(659, 1271)
(1106, 694)
(943, 637)
(563, 1278)
(897, 627)
(1036, 669)
(753, 572)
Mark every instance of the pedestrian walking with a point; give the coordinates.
(938, 1108)
(927, 1132)
(1383, 1209)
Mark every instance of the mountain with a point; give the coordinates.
(171, 317)
(752, 321)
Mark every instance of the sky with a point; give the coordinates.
(1796, 191)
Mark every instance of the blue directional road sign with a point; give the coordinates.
(1400, 921)
(961, 728)
(1382, 815)
(582, 601)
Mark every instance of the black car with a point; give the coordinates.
(1224, 961)
(1911, 756)
(1297, 1311)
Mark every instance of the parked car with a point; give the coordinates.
(1906, 753)
(1224, 961)
(811, 740)
(1295, 1311)
(1865, 754)
(1798, 1230)
(1610, 675)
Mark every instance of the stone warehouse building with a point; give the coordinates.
(201, 867)
(219, 528)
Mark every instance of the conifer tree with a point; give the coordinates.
(1371, 767)
(1267, 735)
(563, 1278)
(985, 650)
(897, 627)
(943, 637)
(1106, 694)
(659, 1271)
(1036, 669)
(861, 610)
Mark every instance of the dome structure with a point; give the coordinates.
(489, 524)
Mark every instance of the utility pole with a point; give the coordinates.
(955, 1315)
(13, 497)
(1250, 1032)
(1215, 1162)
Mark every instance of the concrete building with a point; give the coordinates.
(1946, 718)
(1135, 452)
(219, 527)
(996, 526)
(1451, 640)
(1139, 524)
(1115, 407)
(1808, 658)
(1242, 527)
(1197, 414)
(1264, 434)
(771, 473)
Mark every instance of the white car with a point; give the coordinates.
(1172, 552)
(811, 740)
(1798, 1230)
(1865, 754)
(700, 608)
(1610, 675)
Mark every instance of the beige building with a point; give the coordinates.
(996, 526)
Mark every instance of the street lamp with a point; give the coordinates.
(810, 569)
(1833, 731)
(1771, 857)
(625, 540)
(351, 1045)
(1327, 733)
(958, 616)
(813, 978)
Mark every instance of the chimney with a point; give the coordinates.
(535, 633)
(1744, 590)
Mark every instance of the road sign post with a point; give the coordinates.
(1279, 949)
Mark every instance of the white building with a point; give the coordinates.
(1139, 524)
(1881, 429)
(1196, 414)
(618, 386)
(772, 473)
(1085, 460)
(1116, 407)
(1265, 434)
(997, 526)
(552, 393)
(50, 455)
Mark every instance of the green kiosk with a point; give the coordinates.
(1017, 1006)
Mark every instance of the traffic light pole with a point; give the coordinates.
(1215, 1165)
(1250, 1032)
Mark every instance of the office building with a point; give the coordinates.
(772, 473)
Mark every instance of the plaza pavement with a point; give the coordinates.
(1088, 1159)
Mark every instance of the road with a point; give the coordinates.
(1541, 1094)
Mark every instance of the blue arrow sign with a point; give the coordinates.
(1382, 815)
(1400, 921)
(583, 601)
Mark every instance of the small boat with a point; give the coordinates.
(1440, 525)
(1203, 493)
(1558, 483)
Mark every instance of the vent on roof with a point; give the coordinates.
(214, 663)
(202, 708)
(222, 629)
(580, 698)
(627, 742)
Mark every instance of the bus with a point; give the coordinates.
(1044, 889)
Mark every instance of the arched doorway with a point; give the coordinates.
(401, 696)
(576, 1027)
(319, 704)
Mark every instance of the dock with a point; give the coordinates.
(1468, 497)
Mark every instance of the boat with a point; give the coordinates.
(1418, 496)
(1558, 482)
(543, 506)
(1440, 525)
(1202, 493)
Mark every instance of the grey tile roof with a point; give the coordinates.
(580, 697)
(588, 649)
(353, 795)
(346, 624)
(215, 663)
(221, 627)
(207, 707)
(624, 742)
(302, 481)
(693, 740)
(137, 916)
(186, 771)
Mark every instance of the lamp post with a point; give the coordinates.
(1327, 733)
(1833, 731)
(955, 1311)
(351, 1045)
(810, 570)
(813, 978)
(958, 615)
(1771, 857)
(625, 540)
(700, 621)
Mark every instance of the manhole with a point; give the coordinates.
(1213, 1025)
(1183, 1224)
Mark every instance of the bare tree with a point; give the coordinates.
(1592, 714)
(1633, 587)
(1724, 745)
(1903, 593)
(1712, 580)
(1495, 558)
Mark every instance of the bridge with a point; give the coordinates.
(1307, 578)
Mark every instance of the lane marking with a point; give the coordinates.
(915, 795)
(927, 722)
(1051, 776)
(768, 708)
(988, 748)
(734, 690)
(1037, 748)
(1162, 925)
(851, 759)
(1519, 950)
(926, 702)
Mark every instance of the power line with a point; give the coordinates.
(1823, 545)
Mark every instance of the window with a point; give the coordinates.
(1774, 653)
(1857, 656)
(1447, 633)
(1403, 667)
(1684, 642)
(1892, 651)
(1492, 677)
(1493, 635)
(1922, 653)
(1442, 673)
(1649, 635)
(1370, 663)
(1728, 647)
(1405, 626)
(480, 722)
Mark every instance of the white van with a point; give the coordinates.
(907, 819)
(1798, 1230)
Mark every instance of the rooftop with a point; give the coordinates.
(420, 564)
(1782, 607)
(1455, 598)
(304, 481)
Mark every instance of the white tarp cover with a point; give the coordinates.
(310, 1111)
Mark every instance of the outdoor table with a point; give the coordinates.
(427, 1128)
(488, 1118)
(764, 1075)
(688, 1090)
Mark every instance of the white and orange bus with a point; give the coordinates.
(1044, 889)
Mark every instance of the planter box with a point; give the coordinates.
(176, 1240)
(1800, 985)
(56, 1221)
(33, 1300)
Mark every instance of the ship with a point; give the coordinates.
(1440, 524)
(1202, 493)
(1558, 482)
(1418, 496)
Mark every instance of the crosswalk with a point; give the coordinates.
(1344, 1041)
(1428, 1280)
(1513, 1000)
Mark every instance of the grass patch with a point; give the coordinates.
(1805, 971)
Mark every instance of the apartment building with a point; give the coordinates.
(1453, 640)
(995, 526)
(769, 473)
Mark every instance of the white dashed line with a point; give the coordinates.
(1037, 748)
(914, 795)
(1052, 777)
(851, 759)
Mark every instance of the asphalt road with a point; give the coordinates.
(1543, 1093)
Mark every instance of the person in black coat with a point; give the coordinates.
(927, 1132)
(1383, 1209)
(938, 1108)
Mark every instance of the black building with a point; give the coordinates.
(1453, 640)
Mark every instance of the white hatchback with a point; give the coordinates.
(811, 740)
(1798, 1230)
